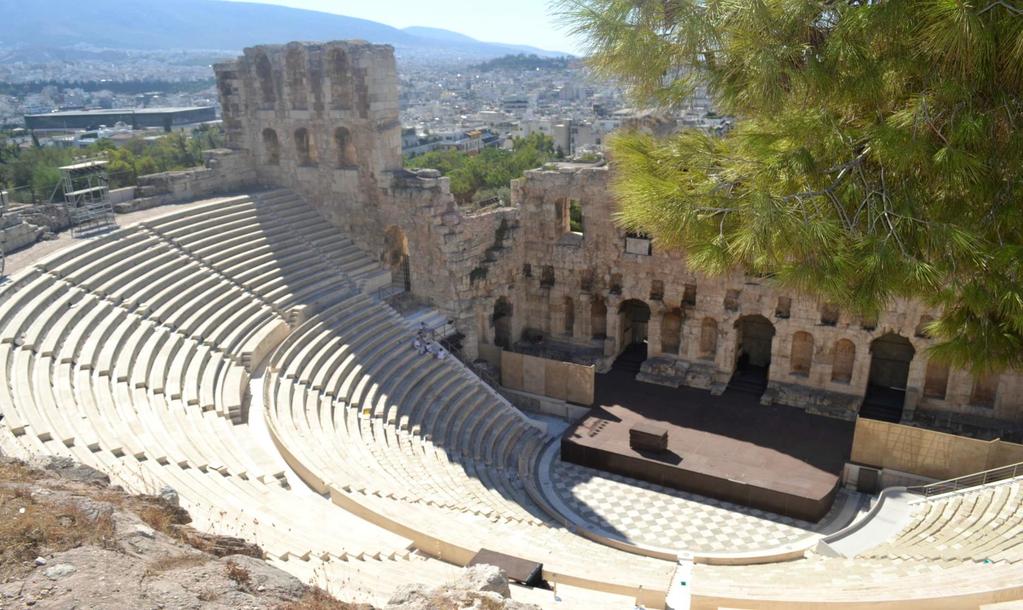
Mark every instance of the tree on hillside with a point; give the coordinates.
(489, 171)
(877, 153)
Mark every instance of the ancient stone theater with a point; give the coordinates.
(322, 353)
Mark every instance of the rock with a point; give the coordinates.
(67, 468)
(169, 495)
(219, 546)
(60, 570)
(40, 561)
(407, 595)
(145, 531)
(483, 578)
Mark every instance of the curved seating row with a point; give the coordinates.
(960, 550)
(425, 448)
(980, 524)
(128, 353)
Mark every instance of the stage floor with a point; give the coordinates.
(727, 447)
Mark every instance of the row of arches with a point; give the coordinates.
(886, 380)
(306, 151)
(296, 67)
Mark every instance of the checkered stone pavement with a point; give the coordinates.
(649, 514)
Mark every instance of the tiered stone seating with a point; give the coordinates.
(423, 446)
(959, 548)
(133, 352)
(128, 355)
(980, 524)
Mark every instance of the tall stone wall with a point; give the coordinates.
(820, 355)
(322, 120)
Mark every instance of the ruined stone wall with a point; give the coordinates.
(820, 355)
(322, 120)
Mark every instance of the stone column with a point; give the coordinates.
(653, 329)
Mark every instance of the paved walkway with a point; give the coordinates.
(25, 257)
(648, 514)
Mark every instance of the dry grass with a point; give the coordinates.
(30, 527)
(17, 472)
(239, 574)
(176, 562)
(318, 599)
(156, 517)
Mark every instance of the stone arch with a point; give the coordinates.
(569, 316)
(671, 331)
(345, 148)
(801, 358)
(754, 338)
(634, 317)
(843, 361)
(305, 147)
(396, 256)
(296, 70)
(502, 321)
(339, 71)
(598, 318)
(265, 78)
(890, 358)
(708, 338)
(271, 147)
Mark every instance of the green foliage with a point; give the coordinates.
(877, 152)
(34, 175)
(575, 217)
(491, 170)
(523, 62)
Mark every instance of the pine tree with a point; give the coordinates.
(877, 150)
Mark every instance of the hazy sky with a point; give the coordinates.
(516, 21)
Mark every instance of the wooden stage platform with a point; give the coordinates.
(727, 447)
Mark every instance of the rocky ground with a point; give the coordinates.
(70, 541)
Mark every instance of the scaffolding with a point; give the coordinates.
(87, 197)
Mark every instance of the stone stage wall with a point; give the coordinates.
(928, 453)
(323, 120)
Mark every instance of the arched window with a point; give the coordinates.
(936, 380)
(305, 148)
(802, 353)
(569, 306)
(845, 358)
(671, 331)
(265, 76)
(502, 319)
(598, 318)
(340, 80)
(296, 65)
(708, 338)
(271, 147)
(345, 148)
(985, 390)
(921, 328)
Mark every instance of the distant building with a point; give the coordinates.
(515, 105)
(136, 118)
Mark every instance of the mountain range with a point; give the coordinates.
(215, 25)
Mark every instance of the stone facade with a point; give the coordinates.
(322, 119)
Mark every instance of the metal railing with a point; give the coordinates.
(971, 480)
